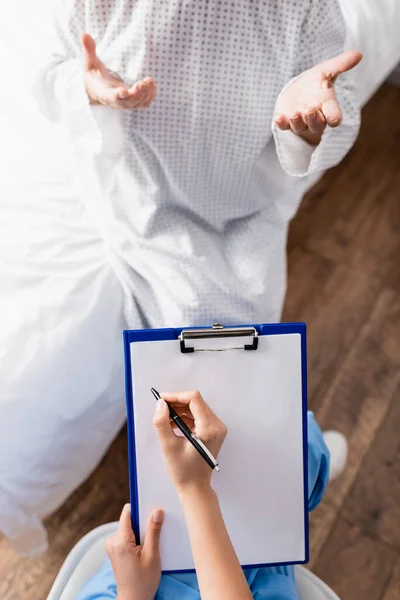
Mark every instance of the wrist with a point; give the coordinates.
(195, 490)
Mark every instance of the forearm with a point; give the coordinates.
(219, 573)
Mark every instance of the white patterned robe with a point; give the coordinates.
(193, 195)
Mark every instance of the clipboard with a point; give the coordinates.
(217, 341)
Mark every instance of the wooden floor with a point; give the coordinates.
(344, 280)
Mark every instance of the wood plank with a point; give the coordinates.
(354, 565)
(322, 520)
(392, 591)
(308, 274)
(345, 306)
(357, 404)
(373, 502)
(372, 369)
(340, 304)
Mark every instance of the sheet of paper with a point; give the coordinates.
(258, 394)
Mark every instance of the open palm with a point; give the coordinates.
(310, 103)
(105, 87)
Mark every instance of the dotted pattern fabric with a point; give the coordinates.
(196, 202)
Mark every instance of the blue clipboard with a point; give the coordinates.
(149, 335)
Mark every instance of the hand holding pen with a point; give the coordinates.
(185, 463)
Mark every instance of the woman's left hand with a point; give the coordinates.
(137, 569)
(310, 103)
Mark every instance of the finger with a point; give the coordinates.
(332, 112)
(297, 124)
(346, 61)
(154, 91)
(139, 89)
(115, 97)
(122, 93)
(315, 121)
(151, 546)
(142, 84)
(88, 51)
(150, 96)
(146, 97)
(148, 86)
(183, 411)
(124, 530)
(161, 422)
(149, 82)
(282, 122)
(185, 414)
(188, 422)
(134, 90)
(142, 91)
(194, 400)
(136, 96)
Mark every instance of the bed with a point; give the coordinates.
(57, 286)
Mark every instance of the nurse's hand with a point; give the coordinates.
(310, 103)
(137, 569)
(105, 87)
(186, 467)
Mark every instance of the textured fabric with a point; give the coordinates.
(273, 583)
(189, 195)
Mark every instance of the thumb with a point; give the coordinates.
(162, 424)
(151, 546)
(346, 61)
(89, 51)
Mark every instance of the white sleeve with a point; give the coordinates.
(58, 85)
(322, 36)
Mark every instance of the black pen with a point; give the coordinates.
(189, 435)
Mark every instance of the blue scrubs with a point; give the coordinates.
(268, 583)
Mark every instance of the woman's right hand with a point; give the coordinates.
(186, 467)
(105, 87)
(217, 567)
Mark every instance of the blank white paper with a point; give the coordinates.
(258, 394)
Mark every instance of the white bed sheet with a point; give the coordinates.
(374, 28)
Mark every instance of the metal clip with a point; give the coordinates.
(218, 331)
